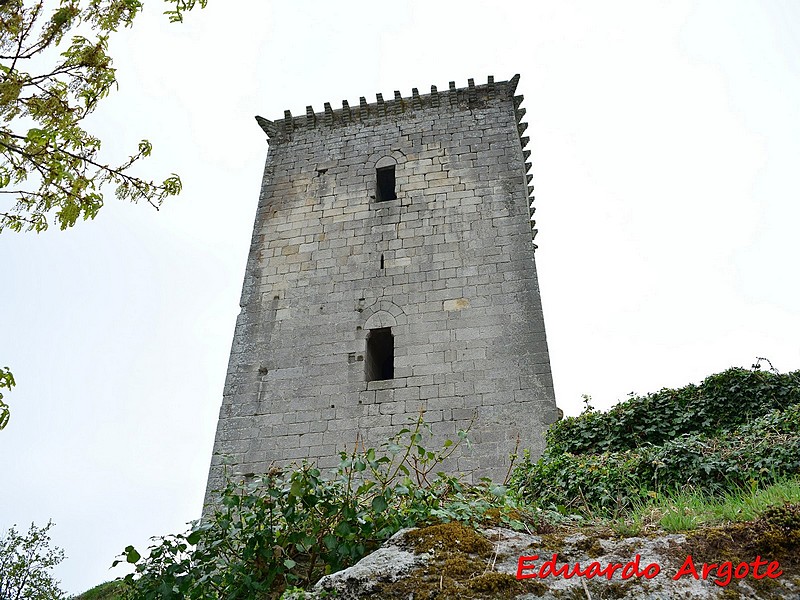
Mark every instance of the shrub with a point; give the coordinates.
(291, 526)
(756, 443)
(721, 402)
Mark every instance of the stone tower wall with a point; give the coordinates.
(448, 265)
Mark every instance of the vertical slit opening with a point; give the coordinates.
(382, 261)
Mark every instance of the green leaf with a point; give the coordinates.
(194, 536)
(297, 488)
(343, 529)
(379, 504)
(131, 555)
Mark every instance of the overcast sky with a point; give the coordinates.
(666, 144)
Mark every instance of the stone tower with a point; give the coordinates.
(391, 269)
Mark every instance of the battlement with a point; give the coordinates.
(465, 98)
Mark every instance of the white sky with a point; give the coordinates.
(665, 139)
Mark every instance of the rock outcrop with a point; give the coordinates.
(450, 561)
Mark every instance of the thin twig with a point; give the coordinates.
(513, 459)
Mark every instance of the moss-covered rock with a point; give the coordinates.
(451, 561)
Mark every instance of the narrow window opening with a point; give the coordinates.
(385, 184)
(381, 261)
(379, 359)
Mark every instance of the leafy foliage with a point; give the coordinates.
(720, 403)
(48, 163)
(290, 527)
(7, 382)
(600, 468)
(181, 6)
(25, 564)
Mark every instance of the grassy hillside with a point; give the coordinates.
(111, 590)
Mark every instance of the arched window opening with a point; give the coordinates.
(379, 359)
(385, 184)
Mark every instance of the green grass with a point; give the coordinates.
(110, 590)
(689, 510)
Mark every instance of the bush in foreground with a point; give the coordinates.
(290, 527)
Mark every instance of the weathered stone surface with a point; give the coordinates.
(387, 564)
(448, 265)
